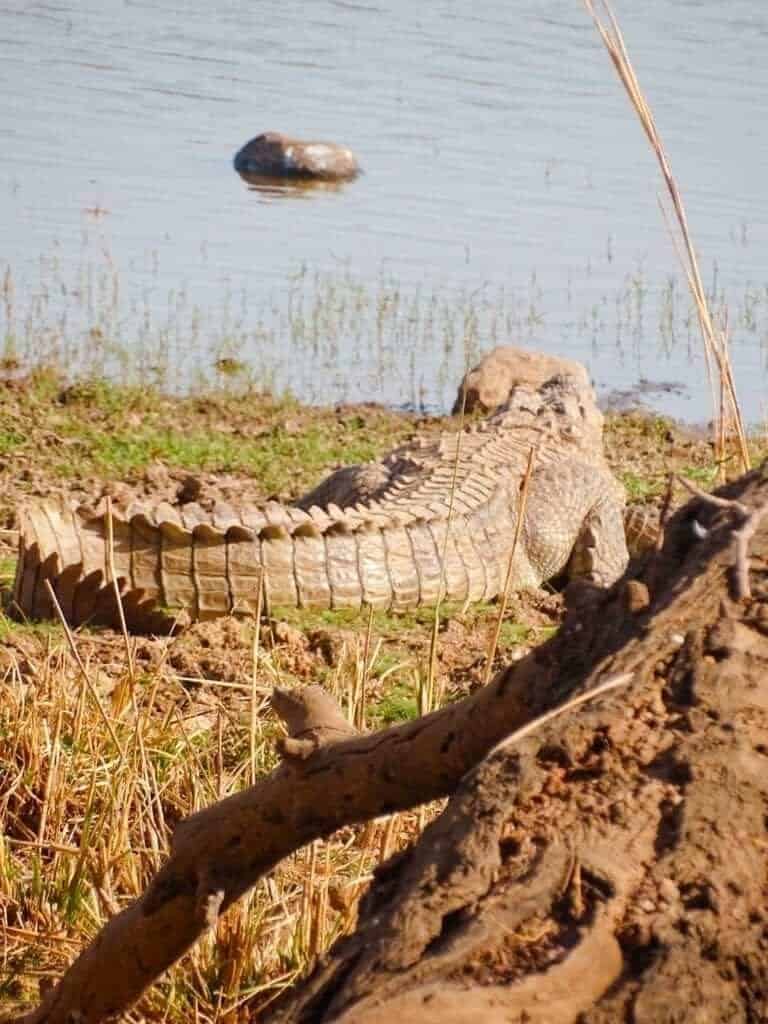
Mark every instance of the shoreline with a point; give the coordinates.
(94, 437)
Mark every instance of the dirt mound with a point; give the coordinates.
(611, 866)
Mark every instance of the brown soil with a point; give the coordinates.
(612, 866)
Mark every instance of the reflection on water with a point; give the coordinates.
(509, 195)
(289, 188)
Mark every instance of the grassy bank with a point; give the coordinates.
(328, 334)
(86, 810)
(84, 437)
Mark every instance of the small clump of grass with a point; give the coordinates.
(392, 624)
(513, 633)
(706, 476)
(10, 440)
(43, 630)
(7, 570)
(641, 488)
(399, 704)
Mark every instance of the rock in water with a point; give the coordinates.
(273, 154)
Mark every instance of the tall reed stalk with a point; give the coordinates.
(728, 423)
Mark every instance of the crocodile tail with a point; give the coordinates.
(64, 561)
(163, 568)
(154, 569)
(37, 562)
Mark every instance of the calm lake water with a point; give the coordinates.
(509, 193)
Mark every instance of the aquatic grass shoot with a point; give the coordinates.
(335, 335)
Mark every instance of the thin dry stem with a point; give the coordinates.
(521, 507)
(432, 663)
(76, 655)
(51, 777)
(255, 702)
(715, 343)
(118, 595)
(361, 697)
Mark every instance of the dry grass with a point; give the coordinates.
(98, 765)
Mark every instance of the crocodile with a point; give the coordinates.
(435, 519)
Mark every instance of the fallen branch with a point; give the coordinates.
(221, 852)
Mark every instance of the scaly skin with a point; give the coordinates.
(434, 518)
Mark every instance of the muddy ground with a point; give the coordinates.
(91, 439)
(86, 440)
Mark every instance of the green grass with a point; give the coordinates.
(96, 428)
(10, 629)
(10, 440)
(383, 621)
(704, 475)
(274, 459)
(389, 623)
(545, 633)
(110, 398)
(640, 488)
(398, 705)
(388, 663)
(512, 633)
(7, 570)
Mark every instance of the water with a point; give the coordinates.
(509, 192)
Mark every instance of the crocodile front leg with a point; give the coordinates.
(600, 552)
(574, 522)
